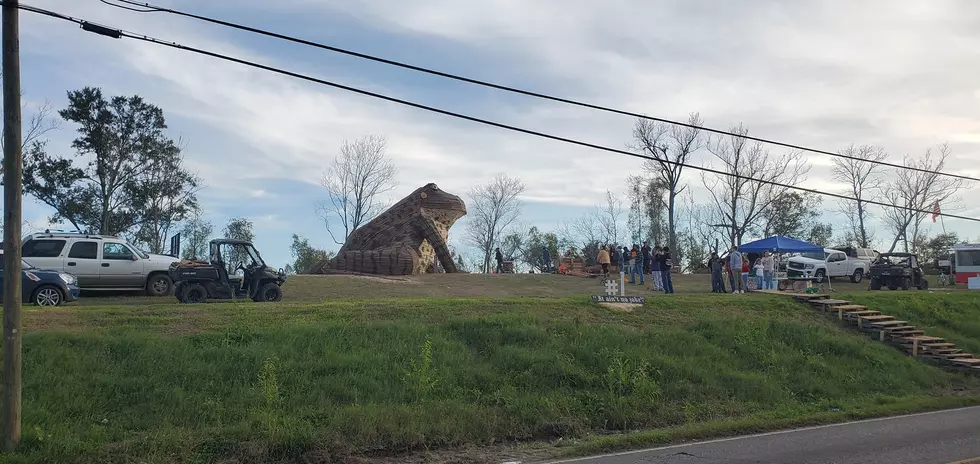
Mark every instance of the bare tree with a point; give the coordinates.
(864, 181)
(607, 216)
(492, 208)
(41, 123)
(355, 181)
(739, 203)
(637, 220)
(911, 190)
(668, 147)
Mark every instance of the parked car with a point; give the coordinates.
(100, 262)
(833, 263)
(44, 287)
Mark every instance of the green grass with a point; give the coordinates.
(256, 383)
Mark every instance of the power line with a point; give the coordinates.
(119, 33)
(142, 7)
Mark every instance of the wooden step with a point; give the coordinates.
(967, 361)
(924, 338)
(883, 324)
(937, 345)
(956, 355)
(863, 312)
(899, 329)
(850, 307)
(941, 351)
(878, 317)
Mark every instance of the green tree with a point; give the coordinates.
(791, 215)
(305, 255)
(122, 154)
(194, 237)
(821, 234)
(238, 228)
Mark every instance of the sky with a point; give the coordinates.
(904, 75)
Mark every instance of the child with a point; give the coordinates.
(759, 271)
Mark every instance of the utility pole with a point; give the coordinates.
(12, 183)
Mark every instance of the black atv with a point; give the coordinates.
(897, 270)
(199, 281)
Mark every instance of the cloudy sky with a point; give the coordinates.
(901, 74)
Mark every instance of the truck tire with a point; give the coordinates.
(193, 293)
(270, 292)
(858, 276)
(820, 275)
(159, 285)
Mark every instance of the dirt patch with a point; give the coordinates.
(51, 321)
(624, 307)
(366, 277)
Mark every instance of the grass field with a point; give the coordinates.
(451, 368)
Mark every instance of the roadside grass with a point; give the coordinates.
(284, 382)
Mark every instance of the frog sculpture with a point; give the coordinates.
(406, 239)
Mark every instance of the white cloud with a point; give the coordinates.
(822, 74)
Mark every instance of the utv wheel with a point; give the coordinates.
(159, 285)
(858, 276)
(269, 292)
(924, 285)
(47, 295)
(875, 284)
(906, 283)
(193, 293)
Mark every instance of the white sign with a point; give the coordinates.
(973, 283)
(611, 287)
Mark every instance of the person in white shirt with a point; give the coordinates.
(768, 270)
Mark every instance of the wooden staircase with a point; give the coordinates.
(890, 330)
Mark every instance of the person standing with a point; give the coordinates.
(500, 261)
(547, 258)
(735, 263)
(603, 260)
(627, 261)
(717, 270)
(641, 262)
(656, 280)
(745, 272)
(768, 270)
(665, 265)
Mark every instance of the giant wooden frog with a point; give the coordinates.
(407, 238)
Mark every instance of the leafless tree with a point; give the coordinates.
(607, 216)
(864, 181)
(355, 182)
(917, 190)
(492, 208)
(637, 220)
(668, 147)
(40, 124)
(738, 201)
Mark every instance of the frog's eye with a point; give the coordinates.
(434, 187)
(424, 196)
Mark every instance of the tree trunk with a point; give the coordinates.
(864, 233)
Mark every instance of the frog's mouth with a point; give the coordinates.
(447, 211)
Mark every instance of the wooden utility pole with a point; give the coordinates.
(12, 183)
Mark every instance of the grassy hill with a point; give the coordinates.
(358, 370)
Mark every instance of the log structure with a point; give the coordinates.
(406, 239)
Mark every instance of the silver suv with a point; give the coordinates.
(101, 262)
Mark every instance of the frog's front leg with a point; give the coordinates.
(427, 228)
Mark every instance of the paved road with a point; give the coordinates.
(929, 438)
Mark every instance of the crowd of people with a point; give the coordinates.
(639, 261)
(736, 265)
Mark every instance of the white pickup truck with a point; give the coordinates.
(835, 263)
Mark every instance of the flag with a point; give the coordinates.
(935, 211)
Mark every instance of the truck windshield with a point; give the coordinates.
(816, 255)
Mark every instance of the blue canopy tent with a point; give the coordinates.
(778, 244)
